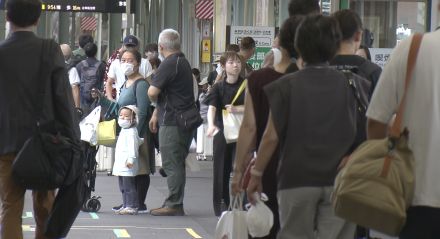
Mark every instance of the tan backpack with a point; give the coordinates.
(376, 186)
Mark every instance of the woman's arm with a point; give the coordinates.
(212, 128)
(143, 104)
(246, 143)
(268, 145)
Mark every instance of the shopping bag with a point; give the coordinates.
(376, 186)
(259, 217)
(107, 133)
(231, 125)
(89, 126)
(232, 120)
(232, 223)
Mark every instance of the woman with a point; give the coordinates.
(134, 92)
(220, 98)
(255, 119)
(312, 120)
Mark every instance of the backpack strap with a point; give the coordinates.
(45, 48)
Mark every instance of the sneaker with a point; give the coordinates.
(143, 209)
(162, 172)
(117, 208)
(127, 211)
(167, 211)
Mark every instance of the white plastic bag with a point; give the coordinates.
(232, 223)
(259, 217)
(89, 126)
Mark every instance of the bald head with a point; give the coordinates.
(67, 51)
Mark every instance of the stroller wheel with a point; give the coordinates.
(93, 205)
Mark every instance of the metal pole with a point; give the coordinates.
(99, 41)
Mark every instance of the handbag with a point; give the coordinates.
(232, 223)
(47, 159)
(189, 119)
(375, 188)
(107, 133)
(232, 120)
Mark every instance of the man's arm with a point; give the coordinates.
(153, 93)
(75, 93)
(376, 129)
(109, 88)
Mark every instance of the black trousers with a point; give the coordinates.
(422, 223)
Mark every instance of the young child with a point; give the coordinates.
(126, 159)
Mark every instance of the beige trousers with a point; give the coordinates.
(12, 202)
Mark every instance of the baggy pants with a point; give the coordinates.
(12, 200)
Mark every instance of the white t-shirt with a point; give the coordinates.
(116, 73)
(73, 76)
(422, 111)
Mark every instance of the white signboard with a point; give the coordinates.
(263, 37)
(380, 56)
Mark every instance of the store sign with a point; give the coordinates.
(105, 6)
(263, 37)
(206, 51)
(380, 56)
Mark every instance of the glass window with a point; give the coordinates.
(391, 21)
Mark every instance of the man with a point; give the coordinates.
(73, 73)
(91, 73)
(351, 28)
(151, 51)
(20, 65)
(82, 41)
(421, 118)
(304, 7)
(247, 50)
(115, 73)
(172, 89)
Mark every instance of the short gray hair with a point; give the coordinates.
(170, 40)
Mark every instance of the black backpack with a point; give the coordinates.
(89, 79)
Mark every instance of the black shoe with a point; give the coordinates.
(142, 209)
(116, 208)
(162, 172)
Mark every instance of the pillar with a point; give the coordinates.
(115, 32)
(63, 27)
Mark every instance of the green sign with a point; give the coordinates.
(256, 61)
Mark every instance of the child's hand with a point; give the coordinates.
(129, 165)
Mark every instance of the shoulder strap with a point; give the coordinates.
(412, 58)
(240, 90)
(43, 81)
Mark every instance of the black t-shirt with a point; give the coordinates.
(222, 94)
(360, 66)
(174, 79)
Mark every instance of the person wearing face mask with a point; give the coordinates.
(126, 165)
(219, 98)
(134, 92)
(115, 74)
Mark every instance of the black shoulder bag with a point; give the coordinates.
(46, 158)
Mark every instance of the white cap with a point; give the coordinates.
(204, 81)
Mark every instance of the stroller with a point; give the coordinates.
(91, 203)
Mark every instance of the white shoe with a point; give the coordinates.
(127, 211)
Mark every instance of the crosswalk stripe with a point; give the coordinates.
(193, 233)
(121, 233)
(27, 228)
(28, 215)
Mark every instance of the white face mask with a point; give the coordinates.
(125, 124)
(127, 68)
